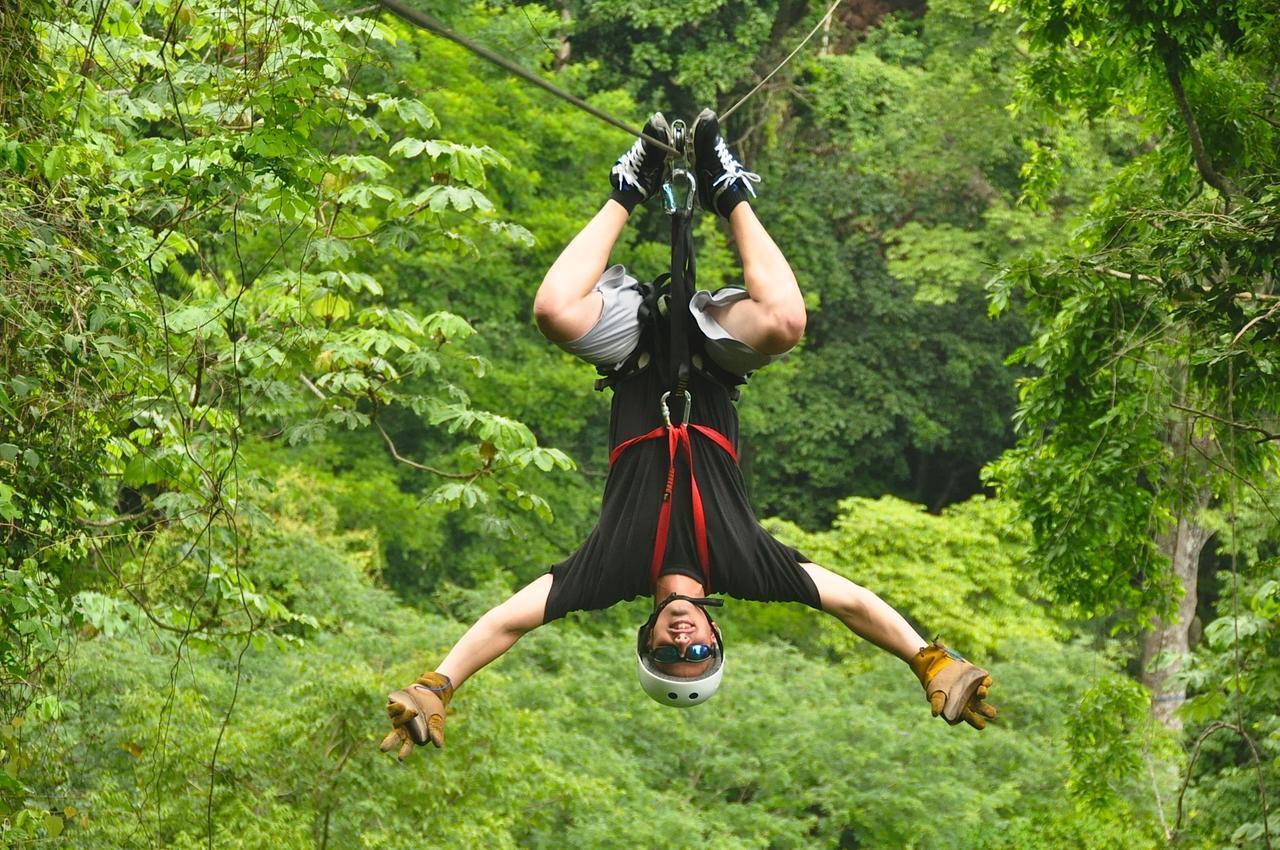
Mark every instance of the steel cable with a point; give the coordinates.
(430, 24)
(426, 22)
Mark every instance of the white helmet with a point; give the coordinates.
(676, 691)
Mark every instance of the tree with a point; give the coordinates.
(199, 198)
(896, 198)
(1151, 385)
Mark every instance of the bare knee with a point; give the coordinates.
(548, 312)
(785, 328)
(564, 318)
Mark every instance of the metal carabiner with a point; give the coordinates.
(666, 411)
(680, 189)
(679, 192)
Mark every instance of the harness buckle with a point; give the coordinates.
(666, 411)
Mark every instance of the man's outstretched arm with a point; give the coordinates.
(954, 687)
(497, 631)
(417, 713)
(867, 615)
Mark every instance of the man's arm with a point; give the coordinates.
(867, 615)
(417, 713)
(954, 687)
(497, 631)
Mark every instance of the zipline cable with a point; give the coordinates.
(732, 109)
(430, 24)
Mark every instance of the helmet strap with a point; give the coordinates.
(703, 602)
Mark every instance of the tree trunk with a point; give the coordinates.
(1171, 638)
(564, 49)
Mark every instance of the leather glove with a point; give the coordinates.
(955, 688)
(417, 714)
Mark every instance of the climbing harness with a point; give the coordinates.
(679, 193)
(679, 442)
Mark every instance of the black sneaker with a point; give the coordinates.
(638, 173)
(722, 181)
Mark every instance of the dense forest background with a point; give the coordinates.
(276, 425)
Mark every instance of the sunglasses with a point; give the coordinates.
(668, 654)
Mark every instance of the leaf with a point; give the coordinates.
(142, 470)
(415, 112)
(331, 306)
(408, 148)
(8, 510)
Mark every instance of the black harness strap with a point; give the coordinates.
(683, 283)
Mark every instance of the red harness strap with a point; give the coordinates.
(677, 438)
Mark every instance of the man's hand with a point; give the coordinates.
(954, 687)
(417, 714)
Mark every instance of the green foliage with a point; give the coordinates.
(1145, 350)
(1234, 682)
(682, 54)
(836, 767)
(1102, 736)
(203, 211)
(896, 205)
(1150, 395)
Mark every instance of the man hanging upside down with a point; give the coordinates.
(675, 522)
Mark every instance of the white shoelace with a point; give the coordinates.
(733, 170)
(628, 165)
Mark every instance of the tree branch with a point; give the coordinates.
(461, 476)
(106, 523)
(1168, 53)
(1127, 275)
(1254, 321)
(1266, 437)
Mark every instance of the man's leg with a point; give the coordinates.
(772, 320)
(567, 304)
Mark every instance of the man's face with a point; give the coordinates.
(681, 624)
